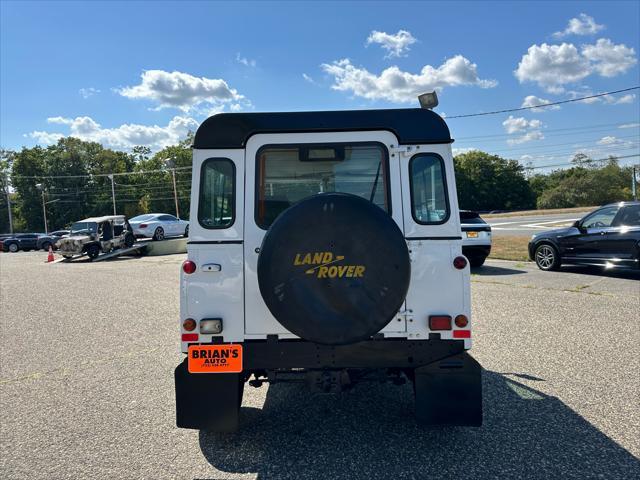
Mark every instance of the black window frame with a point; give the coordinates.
(233, 192)
(445, 187)
(385, 161)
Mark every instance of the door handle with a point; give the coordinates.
(211, 267)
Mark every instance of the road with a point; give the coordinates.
(525, 226)
(88, 352)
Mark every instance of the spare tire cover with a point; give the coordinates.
(334, 269)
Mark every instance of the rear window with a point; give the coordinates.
(216, 207)
(429, 202)
(471, 217)
(287, 174)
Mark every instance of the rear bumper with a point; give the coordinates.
(476, 250)
(384, 353)
(447, 380)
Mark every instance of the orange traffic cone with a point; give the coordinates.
(50, 257)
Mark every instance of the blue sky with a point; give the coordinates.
(126, 73)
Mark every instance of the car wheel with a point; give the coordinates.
(129, 240)
(186, 231)
(13, 247)
(476, 262)
(93, 251)
(547, 257)
(158, 234)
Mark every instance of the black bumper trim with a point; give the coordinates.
(384, 353)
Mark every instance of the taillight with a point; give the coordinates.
(460, 262)
(189, 324)
(143, 225)
(462, 334)
(461, 321)
(440, 322)
(188, 267)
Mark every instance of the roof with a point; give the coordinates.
(411, 125)
(102, 219)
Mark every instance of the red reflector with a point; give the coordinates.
(189, 337)
(143, 225)
(459, 262)
(461, 321)
(188, 266)
(462, 334)
(440, 322)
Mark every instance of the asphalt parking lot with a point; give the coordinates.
(88, 352)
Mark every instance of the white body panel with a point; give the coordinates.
(232, 293)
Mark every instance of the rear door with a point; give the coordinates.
(276, 178)
(432, 229)
(620, 242)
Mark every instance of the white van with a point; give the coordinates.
(325, 246)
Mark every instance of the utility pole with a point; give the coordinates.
(6, 186)
(171, 163)
(40, 187)
(175, 191)
(113, 194)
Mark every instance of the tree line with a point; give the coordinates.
(144, 183)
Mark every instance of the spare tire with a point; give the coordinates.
(334, 269)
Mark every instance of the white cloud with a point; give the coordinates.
(88, 92)
(180, 90)
(123, 137)
(629, 98)
(520, 124)
(245, 61)
(308, 78)
(553, 66)
(396, 85)
(608, 140)
(629, 125)
(532, 100)
(397, 45)
(530, 129)
(45, 138)
(609, 59)
(527, 137)
(458, 151)
(584, 25)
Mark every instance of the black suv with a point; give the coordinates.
(21, 241)
(608, 237)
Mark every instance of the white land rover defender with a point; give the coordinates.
(325, 246)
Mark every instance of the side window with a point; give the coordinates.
(629, 217)
(429, 201)
(167, 218)
(600, 218)
(216, 201)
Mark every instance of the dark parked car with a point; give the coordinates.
(46, 241)
(21, 241)
(608, 237)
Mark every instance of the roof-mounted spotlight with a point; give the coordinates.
(428, 100)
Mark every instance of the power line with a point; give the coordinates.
(544, 105)
(139, 172)
(592, 160)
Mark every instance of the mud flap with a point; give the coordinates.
(449, 392)
(206, 401)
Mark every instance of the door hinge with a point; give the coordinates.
(403, 150)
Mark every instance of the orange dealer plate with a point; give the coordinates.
(215, 359)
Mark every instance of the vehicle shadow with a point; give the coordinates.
(492, 270)
(601, 272)
(370, 433)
